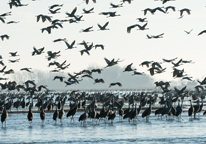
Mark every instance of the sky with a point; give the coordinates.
(132, 48)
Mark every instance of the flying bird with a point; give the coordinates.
(117, 83)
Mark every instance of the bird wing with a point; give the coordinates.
(105, 25)
(74, 10)
(73, 43)
(204, 31)
(107, 61)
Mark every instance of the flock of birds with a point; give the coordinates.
(110, 102)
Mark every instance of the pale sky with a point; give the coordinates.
(133, 48)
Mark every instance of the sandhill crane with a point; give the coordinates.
(30, 114)
(116, 83)
(26, 69)
(177, 64)
(99, 45)
(138, 73)
(204, 31)
(116, 6)
(164, 1)
(148, 9)
(55, 115)
(188, 32)
(98, 81)
(54, 11)
(142, 19)
(131, 27)
(170, 7)
(147, 112)
(87, 1)
(159, 9)
(59, 40)
(37, 51)
(4, 36)
(103, 27)
(112, 62)
(96, 70)
(13, 61)
(11, 22)
(44, 18)
(89, 29)
(191, 109)
(61, 114)
(83, 116)
(166, 60)
(4, 116)
(129, 68)
(88, 11)
(84, 51)
(9, 71)
(42, 116)
(59, 77)
(142, 27)
(72, 14)
(186, 10)
(146, 63)
(55, 5)
(113, 14)
(70, 46)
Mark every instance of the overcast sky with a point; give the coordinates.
(132, 48)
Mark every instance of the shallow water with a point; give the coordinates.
(19, 130)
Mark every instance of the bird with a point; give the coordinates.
(98, 81)
(61, 113)
(87, 1)
(128, 68)
(42, 116)
(30, 114)
(116, 6)
(4, 116)
(55, 115)
(88, 11)
(204, 31)
(142, 27)
(99, 45)
(72, 112)
(70, 46)
(54, 11)
(148, 9)
(37, 51)
(177, 64)
(59, 40)
(84, 51)
(186, 10)
(188, 32)
(59, 77)
(13, 54)
(83, 116)
(112, 62)
(13, 61)
(26, 69)
(170, 60)
(55, 5)
(131, 27)
(170, 7)
(147, 112)
(142, 19)
(72, 14)
(89, 29)
(116, 83)
(103, 27)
